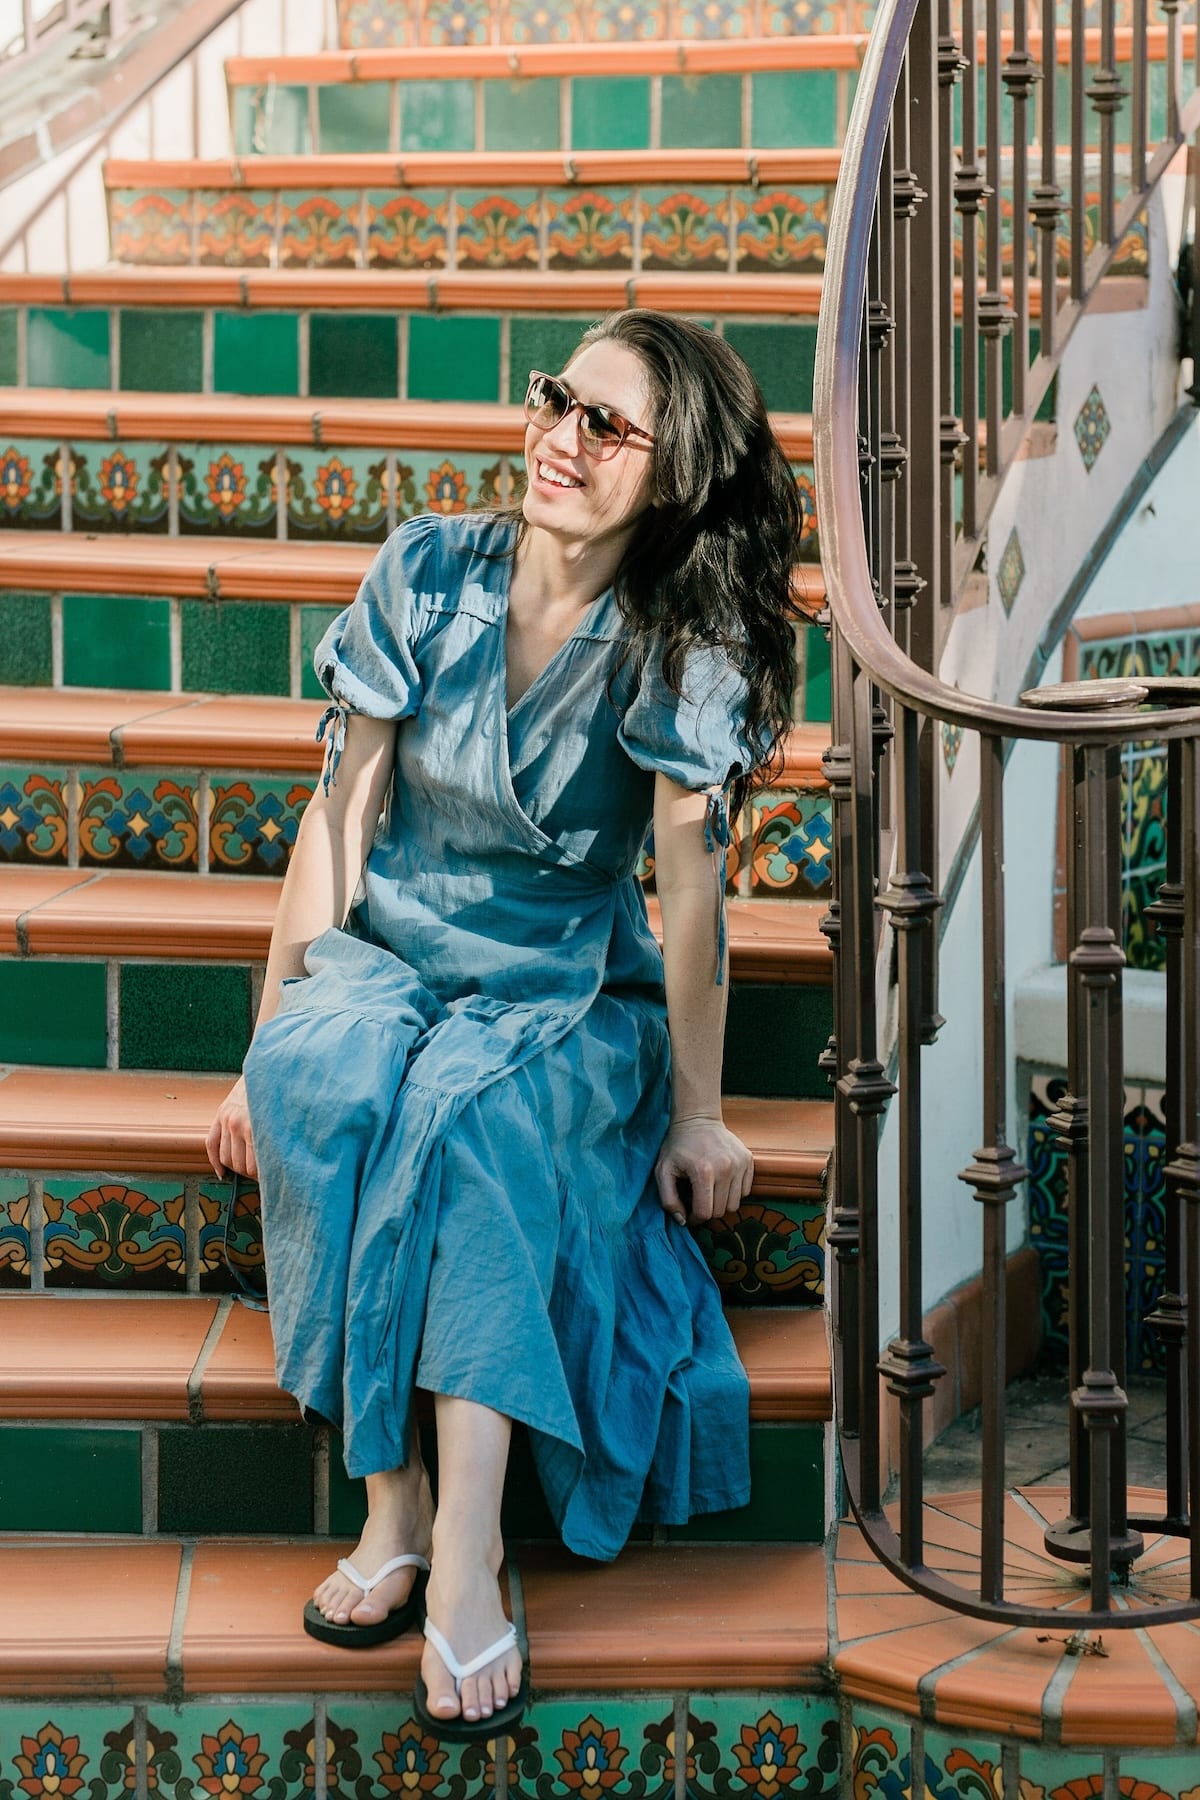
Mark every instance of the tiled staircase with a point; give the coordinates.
(289, 353)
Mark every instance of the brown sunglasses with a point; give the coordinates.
(601, 430)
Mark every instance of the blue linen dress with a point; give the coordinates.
(457, 1110)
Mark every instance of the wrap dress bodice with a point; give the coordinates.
(458, 1107)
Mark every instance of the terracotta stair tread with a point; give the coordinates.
(417, 289)
(475, 168)
(387, 424)
(101, 1119)
(223, 731)
(684, 56)
(96, 1617)
(223, 918)
(210, 567)
(100, 1356)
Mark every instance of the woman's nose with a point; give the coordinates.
(563, 436)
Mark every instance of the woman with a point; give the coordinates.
(457, 1100)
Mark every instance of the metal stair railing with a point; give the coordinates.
(919, 216)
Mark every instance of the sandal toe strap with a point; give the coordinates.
(460, 1670)
(407, 1561)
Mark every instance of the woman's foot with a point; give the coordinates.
(463, 1600)
(399, 1519)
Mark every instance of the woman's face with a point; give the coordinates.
(577, 495)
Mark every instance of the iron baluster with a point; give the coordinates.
(1106, 94)
(1046, 205)
(970, 190)
(1021, 74)
(1078, 189)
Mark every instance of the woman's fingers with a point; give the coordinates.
(230, 1138)
(668, 1192)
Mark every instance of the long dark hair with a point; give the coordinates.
(713, 561)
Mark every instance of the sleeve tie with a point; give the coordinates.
(335, 714)
(716, 842)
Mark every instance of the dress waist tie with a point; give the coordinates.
(716, 842)
(335, 714)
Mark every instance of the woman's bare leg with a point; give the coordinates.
(464, 1592)
(399, 1518)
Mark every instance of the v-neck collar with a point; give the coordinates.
(584, 629)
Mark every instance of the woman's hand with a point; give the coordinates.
(716, 1164)
(230, 1140)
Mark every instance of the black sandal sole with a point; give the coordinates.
(469, 1731)
(363, 1637)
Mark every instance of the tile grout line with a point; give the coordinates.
(321, 1464)
(320, 1747)
(679, 1727)
(112, 1014)
(174, 1668)
(149, 1447)
(1185, 1705)
(212, 1338)
(37, 1235)
(141, 1755)
(1053, 1695)
(56, 640)
(929, 1680)
(191, 1233)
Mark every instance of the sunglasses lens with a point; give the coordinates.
(546, 401)
(601, 433)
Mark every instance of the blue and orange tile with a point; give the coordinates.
(245, 1750)
(543, 22)
(376, 1750)
(319, 231)
(498, 229)
(456, 22)
(253, 823)
(130, 819)
(763, 1744)
(16, 1232)
(31, 484)
(790, 844)
(234, 229)
(783, 230)
(378, 24)
(339, 494)
(115, 1234)
(592, 229)
(772, 1252)
(59, 1751)
(121, 487)
(154, 227)
(685, 228)
(230, 489)
(34, 816)
(407, 230)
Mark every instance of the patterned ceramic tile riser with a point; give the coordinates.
(388, 23)
(780, 229)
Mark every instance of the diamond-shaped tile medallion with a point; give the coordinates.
(1092, 426)
(951, 744)
(1011, 572)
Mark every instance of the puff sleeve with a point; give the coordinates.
(365, 661)
(699, 739)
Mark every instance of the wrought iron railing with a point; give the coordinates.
(909, 467)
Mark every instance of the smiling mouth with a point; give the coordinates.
(555, 477)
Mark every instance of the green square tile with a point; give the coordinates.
(793, 108)
(354, 355)
(54, 1012)
(256, 353)
(781, 359)
(8, 346)
(267, 1746)
(817, 693)
(453, 359)
(353, 115)
(610, 112)
(701, 112)
(271, 120)
(235, 1478)
(437, 115)
(116, 640)
(184, 1016)
(787, 1492)
(540, 343)
(520, 115)
(25, 646)
(122, 1233)
(314, 622)
(773, 1036)
(16, 1246)
(161, 352)
(240, 647)
(68, 347)
(70, 1478)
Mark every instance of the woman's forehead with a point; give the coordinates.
(610, 374)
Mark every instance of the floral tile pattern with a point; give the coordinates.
(251, 1750)
(499, 229)
(151, 227)
(377, 24)
(952, 737)
(76, 1750)
(790, 844)
(957, 1771)
(119, 487)
(16, 1247)
(34, 816)
(234, 229)
(31, 483)
(769, 1745)
(880, 1753)
(407, 230)
(253, 823)
(566, 1749)
(1011, 572)
(223, 1256)
(628, 20)
(1092, 428)
(318, 231)
(543, 22)
(774, 1252)
(375, 1750)
(1145, 1217)
(227, 488)
(784, 229)
(134, 820)
(338, 494)
(713, 18)
(107, 1234)
(592, 229)
(455, 21)
(684, 228)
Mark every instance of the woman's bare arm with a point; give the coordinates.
(698, 1147)
(331, 847)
